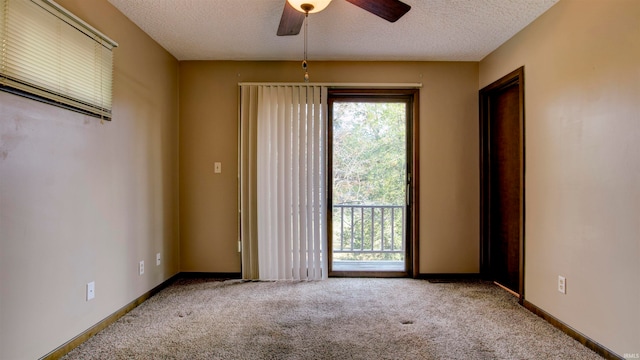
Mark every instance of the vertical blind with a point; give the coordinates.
(283, 182)
(49, 53)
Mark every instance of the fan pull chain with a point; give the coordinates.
(304, 62)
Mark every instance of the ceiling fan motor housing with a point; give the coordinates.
(295, 11)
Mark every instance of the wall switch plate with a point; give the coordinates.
(91, 290)
(141, 267)
(158, 259)
(562, 284)
(217, 167)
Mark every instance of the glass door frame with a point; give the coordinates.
(410, 97)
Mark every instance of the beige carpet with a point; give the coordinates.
(332, 319)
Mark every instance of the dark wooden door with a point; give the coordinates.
(503, 181)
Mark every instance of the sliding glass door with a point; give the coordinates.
(370, 167)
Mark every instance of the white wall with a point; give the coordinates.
(582, 115)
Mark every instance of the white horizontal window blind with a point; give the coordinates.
(49, 54)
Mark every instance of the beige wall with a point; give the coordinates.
(448, 155)
(81, 201)
(582, 114)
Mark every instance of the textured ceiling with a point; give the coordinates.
(434, 30)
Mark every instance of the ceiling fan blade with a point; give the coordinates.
(390, 10)
(291, 21)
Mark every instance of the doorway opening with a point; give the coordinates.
(372, 177)
(502, 182)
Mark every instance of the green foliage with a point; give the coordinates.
(369, 152)
(369, 168)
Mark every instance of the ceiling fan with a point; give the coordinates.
(295, 11)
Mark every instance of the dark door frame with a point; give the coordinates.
(413, 111)
(516, 77)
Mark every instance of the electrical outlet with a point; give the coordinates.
(158, 259)
(562, 284)
(91, 290)
(141, 267)
(217, 167)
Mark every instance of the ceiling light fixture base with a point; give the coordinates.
(309, 6)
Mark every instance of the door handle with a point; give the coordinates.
(407, 194)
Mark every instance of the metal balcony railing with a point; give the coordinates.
(376, 232)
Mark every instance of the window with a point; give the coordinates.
(372, 174)
(50, 55)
